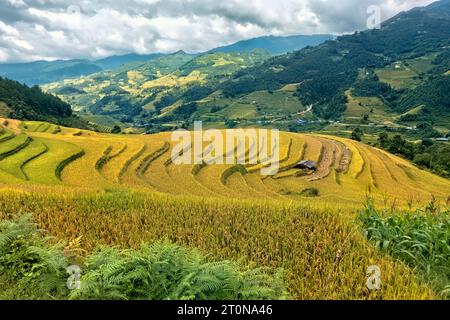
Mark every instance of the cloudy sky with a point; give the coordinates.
(60, 29)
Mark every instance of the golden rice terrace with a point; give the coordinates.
(345, 171)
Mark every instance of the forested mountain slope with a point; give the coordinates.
(21, 102)
(327, 71)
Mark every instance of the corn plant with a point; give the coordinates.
(420, 239)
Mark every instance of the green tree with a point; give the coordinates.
(116, 129)
(357, 134)
(383, 139)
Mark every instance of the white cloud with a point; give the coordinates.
(8, 30)
(3, 55)
(97, 28)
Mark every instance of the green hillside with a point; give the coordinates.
(21, 102)
(403, 65)
(137, 93)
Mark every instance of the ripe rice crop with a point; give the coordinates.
(321, 251)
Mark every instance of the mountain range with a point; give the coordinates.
(275, 45)
(42, 72)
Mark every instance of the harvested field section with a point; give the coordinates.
(343, 162)
(357, 164)
(327, 159)
(11, 124)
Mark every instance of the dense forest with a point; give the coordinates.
(31, 103)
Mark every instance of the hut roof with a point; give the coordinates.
(308, 164)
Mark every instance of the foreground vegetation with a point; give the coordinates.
(321, 250)
(420, 239)
(32, 267)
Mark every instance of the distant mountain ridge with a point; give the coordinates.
(116, 61)
(275, 45)
(43, 72)
(39, 72)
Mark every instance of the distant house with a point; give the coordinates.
(306, 164)
(443, 139)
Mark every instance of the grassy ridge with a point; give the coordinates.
(5, 135)
(15, 163)
(43, 169)
(107, 156)
(14, 145)
(128, 163)
(66, 162)
(147, 161)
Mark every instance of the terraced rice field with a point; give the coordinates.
(346, 170)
